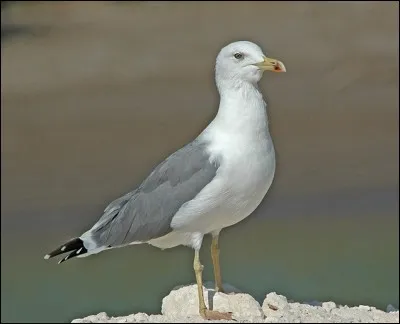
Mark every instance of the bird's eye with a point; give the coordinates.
(238, 56)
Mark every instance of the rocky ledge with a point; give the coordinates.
(181, 306)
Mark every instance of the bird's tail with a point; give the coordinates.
(75, 245)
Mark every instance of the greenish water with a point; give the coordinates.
(351, 260)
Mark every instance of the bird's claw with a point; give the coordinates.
(220, 290)
(215, 315)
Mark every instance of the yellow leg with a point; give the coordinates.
(198, 270)
(204, 312)
(215, 260)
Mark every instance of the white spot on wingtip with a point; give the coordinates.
(65, 259)
(63, 248)
(47, 256)
(79, 251)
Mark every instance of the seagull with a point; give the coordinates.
(213, 182)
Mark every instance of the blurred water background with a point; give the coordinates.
(95, 94)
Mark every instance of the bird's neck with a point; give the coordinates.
(242, 110)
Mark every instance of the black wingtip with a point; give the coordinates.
(73, 254)
(75, 245)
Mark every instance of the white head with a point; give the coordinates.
(244, 61)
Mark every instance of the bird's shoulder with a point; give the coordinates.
(180, 166)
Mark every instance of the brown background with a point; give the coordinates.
(95, 94)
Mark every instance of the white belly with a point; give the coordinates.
(241, 183)
(232, 197)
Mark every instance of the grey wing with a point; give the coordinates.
(146, 212)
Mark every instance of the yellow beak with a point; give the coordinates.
(270, 64)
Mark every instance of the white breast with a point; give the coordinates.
(244, 177)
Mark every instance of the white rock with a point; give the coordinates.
(181, 306)
(100, 317)
(274, 300)
(354, 314)
(328, 305)
(276, 320)
(274, 305)
(141, 318)
(242, 306)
